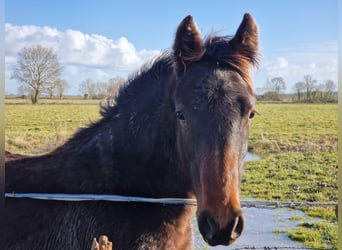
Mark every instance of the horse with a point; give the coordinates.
(179, 128)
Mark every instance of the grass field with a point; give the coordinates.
(35, 129)
(297, 142)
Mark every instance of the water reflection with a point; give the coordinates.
(259, 232)
(251, 157)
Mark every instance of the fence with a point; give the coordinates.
(105, 244)
(165, 201)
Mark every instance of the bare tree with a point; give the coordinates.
(309, 82)
(114, 85)
(329, 88)
(61, 86)
(299, 87)
(274, 88)
(318, 93)
(88, 88)
(278, 84)
(50, 89)
(101, 89)
(37, 68)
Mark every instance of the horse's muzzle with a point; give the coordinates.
(214, 235)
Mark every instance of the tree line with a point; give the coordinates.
(308, 90)
(98, 90)
(39, 72)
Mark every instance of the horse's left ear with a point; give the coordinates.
(188, 46)
(245, 41)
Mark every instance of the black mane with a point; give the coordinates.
(149, 76)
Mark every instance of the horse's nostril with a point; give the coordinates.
(207, 226)
(214, 235)
(237, 228)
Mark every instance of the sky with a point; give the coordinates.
(103, 39)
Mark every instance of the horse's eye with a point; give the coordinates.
(252, 114)
(180, 115)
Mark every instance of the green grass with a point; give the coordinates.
(294, 128)
(298, 144)
(321, 235)
(34, 129)
(296, 218)
(293, 176)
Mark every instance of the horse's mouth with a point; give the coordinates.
(215, 236)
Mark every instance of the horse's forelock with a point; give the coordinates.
(220, 51)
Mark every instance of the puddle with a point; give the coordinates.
(251, 157)
(260, 225)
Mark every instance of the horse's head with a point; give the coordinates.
(214, 104)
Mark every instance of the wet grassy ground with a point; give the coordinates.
(298, 143)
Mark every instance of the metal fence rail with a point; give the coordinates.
(285, 204)
(165, 201)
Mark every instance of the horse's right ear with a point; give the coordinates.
(188, 46)
(245, 41)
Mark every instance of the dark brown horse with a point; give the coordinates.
(179, 129)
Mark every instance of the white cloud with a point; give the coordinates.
(278, 67)
(16, 37)
(102, 56)
(318, 60)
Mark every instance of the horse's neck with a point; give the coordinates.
(131, 151)
(80, 167)
(99, 164)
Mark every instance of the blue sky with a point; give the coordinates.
(103, 39)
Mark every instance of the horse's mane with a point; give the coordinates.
(150, 72)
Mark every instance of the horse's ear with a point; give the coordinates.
(188, 46)
(245, 41)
